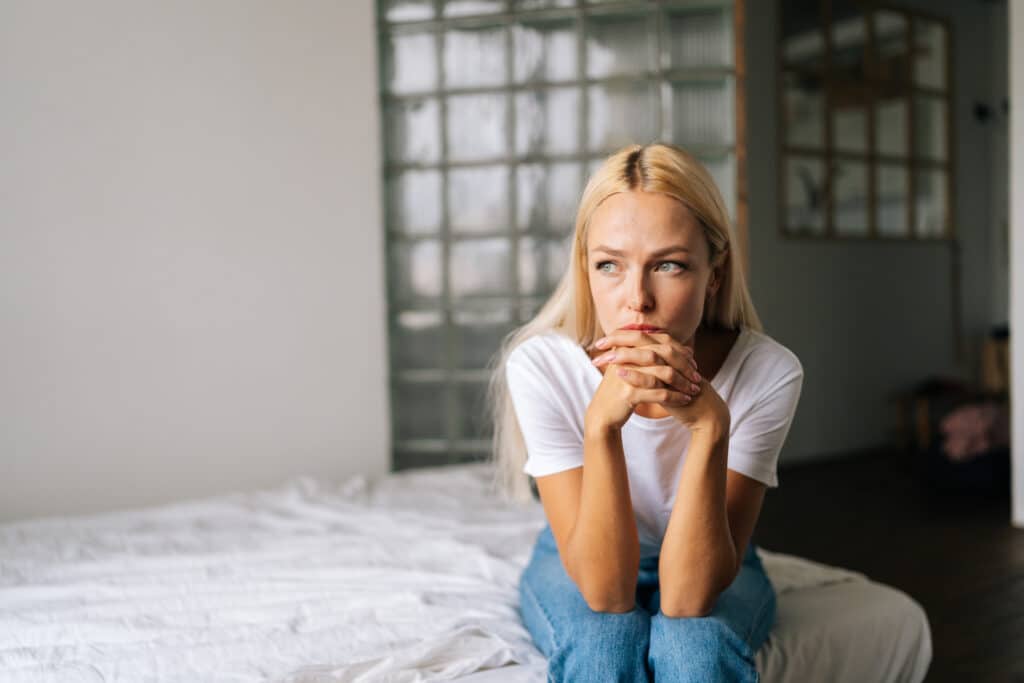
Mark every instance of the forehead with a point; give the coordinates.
(643, 221)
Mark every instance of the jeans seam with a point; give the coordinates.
(544, 612)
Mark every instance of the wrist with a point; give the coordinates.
(713, 429)
(600, 430)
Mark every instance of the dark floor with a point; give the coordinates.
(955, 553)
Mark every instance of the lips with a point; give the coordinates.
(642, 328)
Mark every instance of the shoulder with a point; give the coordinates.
(542, 352)
(769, 361)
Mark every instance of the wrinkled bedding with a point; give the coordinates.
(411, 577)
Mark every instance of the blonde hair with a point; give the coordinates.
(657, 167)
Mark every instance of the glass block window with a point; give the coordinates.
(494, 114)
(865, 99)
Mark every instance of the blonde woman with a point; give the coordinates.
(650, 408)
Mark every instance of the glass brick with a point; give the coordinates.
(478, 333)
(700, 38)
(544, 51)
(418, 340)
(410, 62)
(622, 114)
(414, 202)
(702, 113)
(619, 44)
(547, 121)
(480, 267)
(723, 171)
(416, 269)
(420, 410)
(548, 195)
(476, 127)
(408, 10)
(465, 8)
(542, 264)
(474, 411)
(413, 132)
(474, 57)
(478, 199)
(541, 4)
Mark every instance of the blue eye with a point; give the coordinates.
(600, 266)
(681, 266)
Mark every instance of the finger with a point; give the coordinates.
(662, 396)
(625, 354)
(624, 338)
(671, 378)
(635, 377)
(678, 356)
(653, 354)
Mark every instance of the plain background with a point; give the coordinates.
(191, 269)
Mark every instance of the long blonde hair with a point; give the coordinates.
(657, 167)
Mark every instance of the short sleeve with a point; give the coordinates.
(757, 439)
(553, 442)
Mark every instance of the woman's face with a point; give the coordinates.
(648, 263)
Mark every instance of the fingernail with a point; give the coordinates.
(623, 372)
(604, 359)
(601, 343)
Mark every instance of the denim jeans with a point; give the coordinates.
(643, 644)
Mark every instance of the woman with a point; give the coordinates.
(649, 407)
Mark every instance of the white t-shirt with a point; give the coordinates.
(551, 381)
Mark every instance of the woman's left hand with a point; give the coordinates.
(657, 360)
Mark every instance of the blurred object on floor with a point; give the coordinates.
(972, 429)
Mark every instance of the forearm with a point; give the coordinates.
(698, 556)
(604, 547)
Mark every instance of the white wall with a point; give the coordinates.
(1016, 28)
(191, 270)
(868, 319)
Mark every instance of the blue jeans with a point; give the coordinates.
(643, 644)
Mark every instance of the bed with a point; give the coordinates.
(407, 577)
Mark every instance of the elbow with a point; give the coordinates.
(610, 604)
(610, 600)
(690, 602)
(688, 609)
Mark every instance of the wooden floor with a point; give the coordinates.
(955, 554)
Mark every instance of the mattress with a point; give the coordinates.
(409, 577)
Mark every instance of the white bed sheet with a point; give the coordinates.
(412, 577)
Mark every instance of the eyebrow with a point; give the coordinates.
(660, 252)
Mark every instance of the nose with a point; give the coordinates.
(639, 295)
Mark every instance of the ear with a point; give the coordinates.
(714, 282)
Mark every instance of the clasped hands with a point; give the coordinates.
(653, 367)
